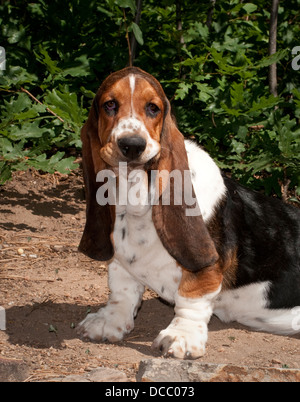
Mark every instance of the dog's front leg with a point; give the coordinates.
(186, 336)
(115, 320)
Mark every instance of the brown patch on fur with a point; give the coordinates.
(228, 256)
(198, 284)
(208, 281)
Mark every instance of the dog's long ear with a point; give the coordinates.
(96, 240)
(186, 238)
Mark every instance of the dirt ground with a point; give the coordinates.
(47, 288)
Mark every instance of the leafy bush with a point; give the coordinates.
(219, 81)
(215, 73)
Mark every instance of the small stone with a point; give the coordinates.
(32, 256)
(276, 361)
(103, 374)
(74, 378)
(20, 251)
(58, 248)
(159, 370)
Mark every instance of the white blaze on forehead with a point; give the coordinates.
(132, 83)
(132, 88)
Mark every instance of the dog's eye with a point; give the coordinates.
(152, 110)
(111, 107)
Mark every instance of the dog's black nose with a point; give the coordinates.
(132, 147)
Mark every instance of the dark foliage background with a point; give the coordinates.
(211, 57)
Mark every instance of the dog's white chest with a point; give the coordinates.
(139, 250)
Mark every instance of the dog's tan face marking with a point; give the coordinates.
(131, 107)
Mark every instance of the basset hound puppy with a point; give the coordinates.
(238, 258)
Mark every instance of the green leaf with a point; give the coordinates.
(197, 32)
(61, 164)
(57, 163)
(275, 58)
(231, 111)
(138, 33)
(104, 11)
(183, 90)
(127, 4)
(16, 34)
(250, 8)
(205, 91)
(16, 76)
(265, 103)
(260, 163)
(66, 165)
(80, 67)
(26, 130)
(5, 146)
(66, 106)
(52, 328)
(44, 58)
(12, 151)
(16, 106)
(237, 93)
(238, 147)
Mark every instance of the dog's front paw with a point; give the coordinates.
(106, 325)
(183, 339)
